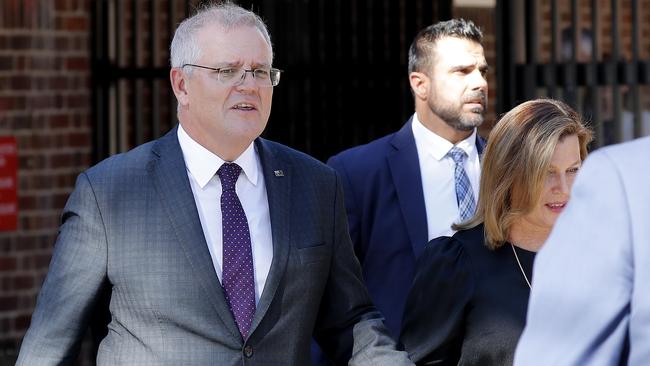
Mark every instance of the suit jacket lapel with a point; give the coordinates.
(277, 177)
(168, 171)
(405, 170)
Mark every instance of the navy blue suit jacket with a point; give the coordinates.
(384, 201)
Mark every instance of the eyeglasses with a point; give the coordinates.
(232, 76)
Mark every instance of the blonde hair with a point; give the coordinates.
(516, 160)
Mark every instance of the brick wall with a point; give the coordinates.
(45, 105)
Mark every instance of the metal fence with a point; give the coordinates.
(345, 63)
(588, 53)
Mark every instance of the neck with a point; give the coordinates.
(526, 237)
(441, 128)
(228, 149)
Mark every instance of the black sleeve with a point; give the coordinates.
(434, 317)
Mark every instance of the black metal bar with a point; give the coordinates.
(570, 74)
(505, 56)
(596, 118)
(444, 9)
(531, 31)
(616, 51)
(171, 27)
(136, 103)
(99, 50)
(530, 81)
(634, 69)
(117, 110)
(551, 74)
(154, 84)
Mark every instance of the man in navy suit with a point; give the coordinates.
(217, 247)
(400, 190)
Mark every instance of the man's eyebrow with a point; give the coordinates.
(228, 64)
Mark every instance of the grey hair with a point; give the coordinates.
(185, 50)
(420, 52)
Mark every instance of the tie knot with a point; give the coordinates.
(229, 173)
(457, 154)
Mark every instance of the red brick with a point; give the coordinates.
(49, 62)
(62, 43)
(7, 263)
(21, 82)
(59, 82)
(25, 302)
(5, 284)
(21, 323)
(8, 303)
(32, 162)
(59, 121)
(27, 263)
(6, 63)
(23, 282)
(42, 260)
(25, 244)
(20, 42)
(5, 326)
(62, 5)
(78, 101)
(75, 23)
(43, 102)
(76, 63)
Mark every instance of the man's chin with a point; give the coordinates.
(468, 124)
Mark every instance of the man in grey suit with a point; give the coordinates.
(589, 303)
(218, 247)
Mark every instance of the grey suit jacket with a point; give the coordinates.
(590, 303)
(132, 224)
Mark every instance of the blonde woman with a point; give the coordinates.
(467, 305)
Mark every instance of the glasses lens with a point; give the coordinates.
(261, 77)
(275, 77)
(230, 76)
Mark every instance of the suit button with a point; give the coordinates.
(248, 351)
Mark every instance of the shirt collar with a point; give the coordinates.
(437, 146)
(203, 164)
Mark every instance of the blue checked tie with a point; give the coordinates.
(464, 194)
(238, 281)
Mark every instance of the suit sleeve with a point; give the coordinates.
(579, 307)
(349, 328)
(434, 316)
(76, 274)
(351, 206)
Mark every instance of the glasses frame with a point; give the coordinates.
(243, 77)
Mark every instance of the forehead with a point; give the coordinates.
(567, 151)
(240, 44)
(453, 51)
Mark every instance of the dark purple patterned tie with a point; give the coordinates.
(238, 281)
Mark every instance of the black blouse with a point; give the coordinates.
(467, 305)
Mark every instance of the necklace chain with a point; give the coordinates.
(520, 267)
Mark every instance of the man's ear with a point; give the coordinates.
(420, 84)
(179, 84)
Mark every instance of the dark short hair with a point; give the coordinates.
(420, 51)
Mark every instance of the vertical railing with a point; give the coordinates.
(601, 80)
(345, 79)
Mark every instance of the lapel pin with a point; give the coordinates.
(278, 173)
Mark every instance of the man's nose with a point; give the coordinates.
(247, 82)
(479, 81)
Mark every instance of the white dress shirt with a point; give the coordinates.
(202, 166)
(438, 182)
